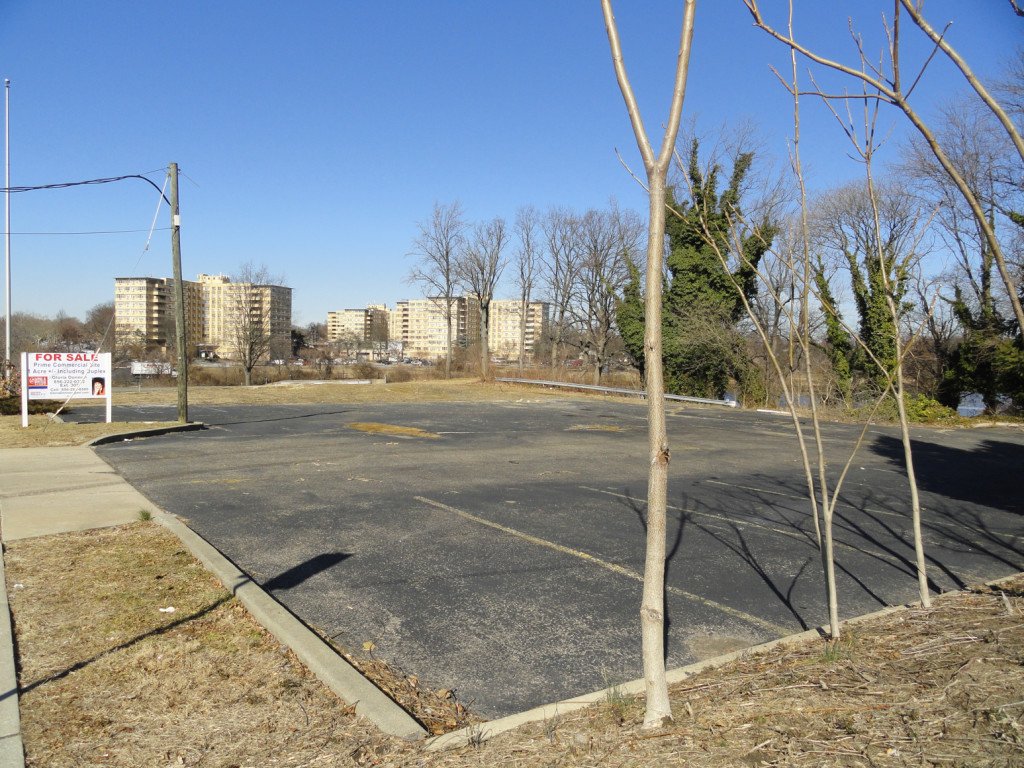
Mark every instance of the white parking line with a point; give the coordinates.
(777, 629)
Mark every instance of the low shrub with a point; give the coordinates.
(11, 406)
(364, 370)
(921, 409)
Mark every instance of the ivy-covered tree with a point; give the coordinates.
(988, 361)
(703, 351)
(838, 346)
(877, 242)
(629, 315)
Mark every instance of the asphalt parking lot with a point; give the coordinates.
(499, 555)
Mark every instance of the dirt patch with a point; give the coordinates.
(390, 429)
(108, 678)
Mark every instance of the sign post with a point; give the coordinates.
(65, 375)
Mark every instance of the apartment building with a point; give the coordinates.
(371, 324)
(225, 305)
(506, 326)
(421, 327)
(144, 311)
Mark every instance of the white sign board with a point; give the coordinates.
(64, 375)
(150, 369)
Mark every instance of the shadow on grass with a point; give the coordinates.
(123, 646)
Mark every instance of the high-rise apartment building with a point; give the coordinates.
(144, 311)
(506, 327)
(230, 308)
(360, 325)
(420, 325)
(423, 329)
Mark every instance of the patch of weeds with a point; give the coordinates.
(145, 515)
(551, 728)
(619, 705)
(840, 649)
(475, 736)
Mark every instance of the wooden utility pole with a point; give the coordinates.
(179, 299)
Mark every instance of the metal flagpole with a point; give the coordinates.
(7, 228)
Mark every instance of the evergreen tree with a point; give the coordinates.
(629, 316)
(703, 349)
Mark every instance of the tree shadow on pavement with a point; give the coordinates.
(985, 475)
(304, 571)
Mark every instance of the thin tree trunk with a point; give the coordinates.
(485, 352)
(448, 341)
(524, 303)
(652, 609)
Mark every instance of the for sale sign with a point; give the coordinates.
(64, 375)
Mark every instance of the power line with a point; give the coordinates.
(66, 184)
(104, 232)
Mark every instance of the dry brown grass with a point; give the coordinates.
(109, 679)
(106, 678)
(377, 428)
(938, 686)
(339, 392)
(41, 432)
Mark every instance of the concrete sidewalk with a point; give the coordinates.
(45, 491)
(55, 490)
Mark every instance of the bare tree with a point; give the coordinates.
(609, 239)
(868, 230)
(886, 86)
(652, 611)
(988, 164)
(249, 316)
(99, 327)
(560, 271)
(437, 247)
(876, 88)
(527, 265)
(479, 268)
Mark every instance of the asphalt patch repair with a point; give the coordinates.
(110, 676)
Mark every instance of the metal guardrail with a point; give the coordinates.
(620, 391)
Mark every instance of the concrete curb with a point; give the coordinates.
(191, 426)
(483, 731)
(12, 750)
(331, 668)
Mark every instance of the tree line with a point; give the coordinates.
(578, 262)
(63, 333)
(732, 218)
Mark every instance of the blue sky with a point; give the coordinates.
(313, 136)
